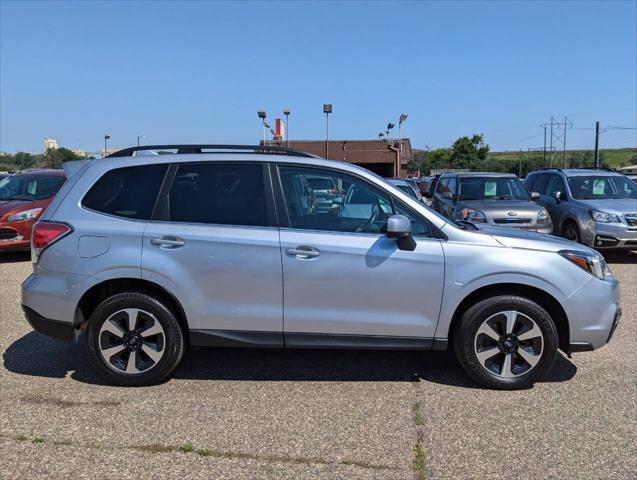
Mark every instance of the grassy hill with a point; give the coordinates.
(612, 158)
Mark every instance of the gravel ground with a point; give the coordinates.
(312, 414)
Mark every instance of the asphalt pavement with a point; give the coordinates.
(312, 414)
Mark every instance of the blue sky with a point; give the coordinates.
(183, 72)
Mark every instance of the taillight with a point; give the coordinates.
(46, 233)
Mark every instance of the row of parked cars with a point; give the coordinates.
(596, 207)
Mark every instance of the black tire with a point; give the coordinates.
(465, 341)
(172, 339)
(571, 232)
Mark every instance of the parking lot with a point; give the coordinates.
(313, 414)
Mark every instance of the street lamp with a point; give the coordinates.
(138, 137)
(262, 115)
(389, 127)
(401, 120)
(327, 109)
(106, 137)
(286, 112)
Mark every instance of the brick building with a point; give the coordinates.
(379, 156)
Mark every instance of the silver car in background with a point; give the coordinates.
(409, 186)
(221, 247)
(493, 198)
(594, 207)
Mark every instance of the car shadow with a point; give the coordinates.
(13, 257)
(37, 355)
(625, 256)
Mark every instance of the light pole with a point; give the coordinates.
(106, 137)
(327, 109)
(262, 116)
(401, 120)
(138, 137)
(286, 112)
(389, 127)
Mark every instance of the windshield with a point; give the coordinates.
(29, 187)
(602, 188)
(408, 190)
(491, 188)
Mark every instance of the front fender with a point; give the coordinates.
(470, 268)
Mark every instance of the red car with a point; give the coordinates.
(23, 198)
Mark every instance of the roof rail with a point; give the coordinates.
(185, 149)
(596, 168)
(548, 168)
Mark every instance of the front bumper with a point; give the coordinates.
(531, 227)
(15, 236)
(593, 312)
(52, 328)
(610, 236)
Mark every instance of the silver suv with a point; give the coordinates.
(494, 198)
(221, 247)
(594, 207)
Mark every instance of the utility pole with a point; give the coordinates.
(559, 138)
(551, 147)
(544, 127)
(520, 165)
(597, 144)
(566, 126)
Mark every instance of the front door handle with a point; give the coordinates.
(302, 251)
(167, 241)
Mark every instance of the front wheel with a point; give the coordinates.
(133, 339)
(506, 342)
(572, 233)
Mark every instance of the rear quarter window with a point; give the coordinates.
(128, 192)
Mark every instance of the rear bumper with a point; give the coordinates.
(52, 328)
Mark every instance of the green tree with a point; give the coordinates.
(469, 152)
(23, 160)
(55, 157)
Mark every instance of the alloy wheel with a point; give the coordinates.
(509, 344)
(132, 341)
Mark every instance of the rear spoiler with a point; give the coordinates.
(71, 168)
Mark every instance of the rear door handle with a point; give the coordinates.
(302, 251)
(167, 241)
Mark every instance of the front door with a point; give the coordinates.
(345, 282)
(215, 246)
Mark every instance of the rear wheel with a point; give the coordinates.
(506, 342)
(571, 232)
(133, 339)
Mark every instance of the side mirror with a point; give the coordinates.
(447, 195)
(535, 195)
(559, 196)
(399, 227)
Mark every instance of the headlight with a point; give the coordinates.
(25, 215)
(543, 216)
(604, 217)
(470, 215)
(592, 263)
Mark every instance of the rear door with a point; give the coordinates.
(214, 243)
(345, 282)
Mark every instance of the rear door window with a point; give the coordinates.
(555, 184)
(540, 184)
(128, 192)
(219, 193)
